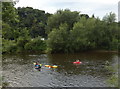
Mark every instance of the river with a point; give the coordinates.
(18, 69)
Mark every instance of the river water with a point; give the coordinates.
(19, 70)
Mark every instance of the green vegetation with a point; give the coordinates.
(113, 80)
(3, 84)
(85, 34)
(65, 31)
(23, 29)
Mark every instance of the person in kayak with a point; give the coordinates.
(77, 60)
(37, 66)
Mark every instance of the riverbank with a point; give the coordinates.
(26, 52)
(46, 52)
(112, 51)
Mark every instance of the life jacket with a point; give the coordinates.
(38, 66)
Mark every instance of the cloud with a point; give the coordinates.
(97, 7)
(119, 11)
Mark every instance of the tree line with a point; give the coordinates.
(64, 31)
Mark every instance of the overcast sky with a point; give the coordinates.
(97, 7)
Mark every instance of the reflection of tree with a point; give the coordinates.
(93, 63)
(20, 59)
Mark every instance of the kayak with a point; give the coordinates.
(77, 62)
(47, 66)
(54, 66)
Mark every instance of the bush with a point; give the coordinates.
(8, 46)
(35, 44)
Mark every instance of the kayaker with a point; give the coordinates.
(37, 65)
(77, 60)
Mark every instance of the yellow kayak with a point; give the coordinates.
(54, 66)
(47, 66)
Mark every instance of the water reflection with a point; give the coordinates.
(93, 63)
(91, 73)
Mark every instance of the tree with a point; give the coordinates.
(93, 16)
(35, 44)
(9, 20)
(61, 17)
(84, 15)
(38, 30)
(78, 37)
(109, 18)
(58, 39)
(34, 20)
(9, 13)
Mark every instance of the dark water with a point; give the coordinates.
(19, 70)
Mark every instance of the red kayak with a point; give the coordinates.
(77, 62)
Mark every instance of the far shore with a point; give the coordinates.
(45, 52)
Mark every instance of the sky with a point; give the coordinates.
(97, 7)
(119, 11)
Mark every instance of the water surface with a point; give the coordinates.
(19, 70)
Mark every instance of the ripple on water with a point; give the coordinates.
(91, 73)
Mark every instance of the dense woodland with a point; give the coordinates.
(65, 31)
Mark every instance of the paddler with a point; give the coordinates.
(77, 60)
(37, 66)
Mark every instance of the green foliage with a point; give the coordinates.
(4, 84)
(35, 44)
(20, 26)
(78, 37)
(38, 30)
(23, 44)
(21, 41)
(65, 31)
(8, 46)
(34, 20)
(113, 80)
(7, 32)
(9, 20)
(119, 46)
(110, 18)
(85, 34)
(61, 17)
(58, 38)
(9, 13)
